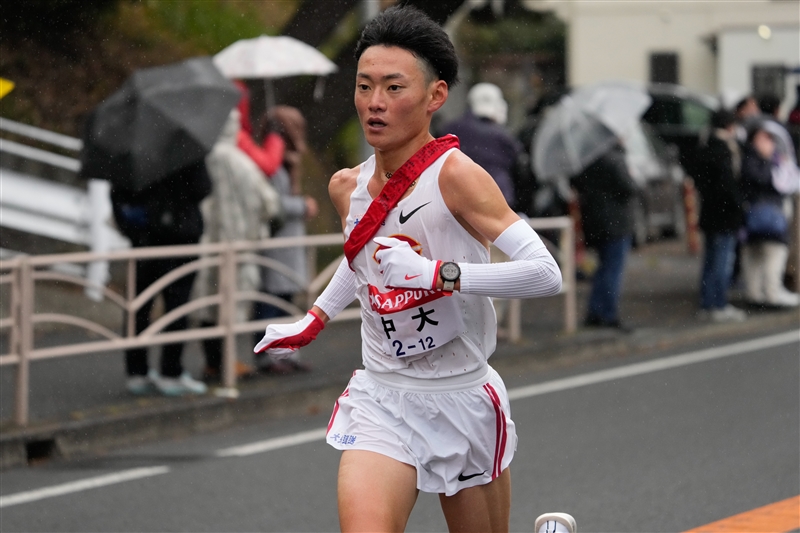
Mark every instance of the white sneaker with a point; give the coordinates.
(141, 385)
(728, 313)
(180, 386)
(785, 299)
(555, 523)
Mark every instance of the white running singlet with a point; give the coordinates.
(413, 332)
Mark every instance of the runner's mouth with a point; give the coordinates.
(375, 123)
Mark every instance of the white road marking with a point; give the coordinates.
(637, 369)
(557, 385)
(81, 485)
(273, 444)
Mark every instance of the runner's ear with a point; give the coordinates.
(438, 92)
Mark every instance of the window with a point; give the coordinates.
(664, 67)
(769, 80)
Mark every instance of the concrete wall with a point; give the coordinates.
(614, 40)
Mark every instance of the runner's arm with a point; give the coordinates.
(475, 200)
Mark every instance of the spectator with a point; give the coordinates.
(746, 110)
(606, 191)
(717, 181)
(297, 209)
(793, 122)
(269, 155)
(240, 207)
(484, 138)
(765, 252)
(770, 105)
(165, 213)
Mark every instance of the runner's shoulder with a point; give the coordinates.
(344, 181)
(462, 172)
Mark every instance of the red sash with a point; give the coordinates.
(394, 189)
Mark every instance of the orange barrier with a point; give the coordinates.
(692, 216)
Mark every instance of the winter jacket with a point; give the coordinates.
(491, 147)
(241, 207)
(606, 192)
(757, 185)
(718, 183)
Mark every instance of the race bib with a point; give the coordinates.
(415, 321)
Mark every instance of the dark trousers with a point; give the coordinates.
(607, 281)
(175, 295)
(720, 254)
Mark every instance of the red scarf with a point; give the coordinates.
(394, 189)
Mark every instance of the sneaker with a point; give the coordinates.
(142, 385)
(180, 386)
(555, 523)
(728, 313)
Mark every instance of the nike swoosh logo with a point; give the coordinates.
(404, 218)
(462, 477)
(412, 277)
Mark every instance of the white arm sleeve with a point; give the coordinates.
(531, 272)
(340, 291)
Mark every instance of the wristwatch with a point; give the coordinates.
(450, 273)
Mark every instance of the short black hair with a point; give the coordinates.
(411, 29)
(722, 119)
(769, 104)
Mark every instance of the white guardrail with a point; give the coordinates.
(62, 212)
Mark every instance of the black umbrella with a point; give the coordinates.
(160, 120)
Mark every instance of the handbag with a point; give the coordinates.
(766, 220)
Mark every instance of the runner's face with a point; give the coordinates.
(393, 100)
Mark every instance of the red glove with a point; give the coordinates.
(282, 339)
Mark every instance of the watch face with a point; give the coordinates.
(450, 272)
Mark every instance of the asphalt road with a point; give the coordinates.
(668, 442)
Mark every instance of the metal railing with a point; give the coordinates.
(20, 277)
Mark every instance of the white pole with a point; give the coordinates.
(99, 236)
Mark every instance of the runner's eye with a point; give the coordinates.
(394, 87)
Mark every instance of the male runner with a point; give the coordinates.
(427, 412)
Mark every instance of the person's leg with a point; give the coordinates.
(376, 493)
(726, 250)
(136, 358)
(175, 295)
(481, 508)
(753, 271)
(707, 281)
(597, 294)
(775, 256)
(604, 300)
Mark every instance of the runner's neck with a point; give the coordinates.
(388, 161)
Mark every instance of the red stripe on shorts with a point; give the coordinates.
(336, 409)
(500, 442)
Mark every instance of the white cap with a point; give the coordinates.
(486, 100)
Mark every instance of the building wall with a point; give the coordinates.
(742, 48)
(614, 40)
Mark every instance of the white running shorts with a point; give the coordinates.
(457, 436)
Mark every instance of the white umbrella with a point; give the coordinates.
(584, 125)
(269, 58)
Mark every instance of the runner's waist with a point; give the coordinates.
(460, 382)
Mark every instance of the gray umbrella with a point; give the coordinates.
(584, 125)
(160, 120)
